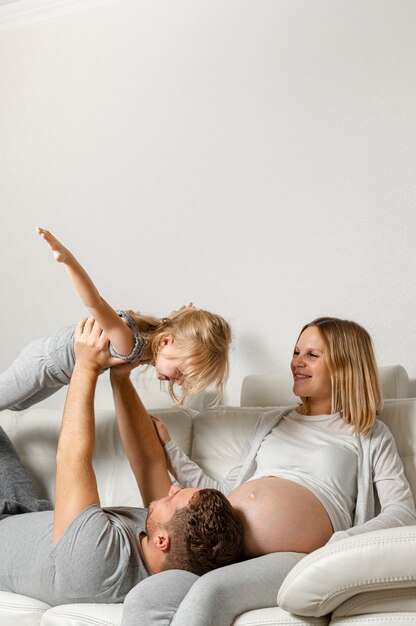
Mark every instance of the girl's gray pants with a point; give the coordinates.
(43, 367)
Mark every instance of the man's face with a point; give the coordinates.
(161, 511)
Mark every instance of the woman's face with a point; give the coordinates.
(311, 377)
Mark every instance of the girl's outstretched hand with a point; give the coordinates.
(61, 254)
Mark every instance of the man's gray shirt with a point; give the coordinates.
(98, 559)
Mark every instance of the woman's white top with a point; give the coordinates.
(319, 452)
(383, 499)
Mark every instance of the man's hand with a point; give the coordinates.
(124, 370)
(91, 347)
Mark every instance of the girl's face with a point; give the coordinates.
(311, 377)
(169, 366)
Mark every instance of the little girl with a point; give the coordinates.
(188, 348)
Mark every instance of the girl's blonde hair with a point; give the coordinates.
(199, 336)
(356, 388)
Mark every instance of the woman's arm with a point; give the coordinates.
(186, 471)
(119, 333)
(189, 474)
(396, 501)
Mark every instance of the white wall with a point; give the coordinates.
(256, 157)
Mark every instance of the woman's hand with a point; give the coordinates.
(161, 430)
(182, 308)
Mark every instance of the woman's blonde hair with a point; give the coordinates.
(199, 336)
(356, 388)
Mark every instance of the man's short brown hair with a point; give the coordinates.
(205, 534)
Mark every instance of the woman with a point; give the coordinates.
(309, 475)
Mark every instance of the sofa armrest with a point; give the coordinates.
(379, 560)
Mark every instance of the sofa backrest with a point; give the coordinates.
(34, 433)
(276, 390)
(219, 435)
(400, 416)
(153, 393)
(213, 438)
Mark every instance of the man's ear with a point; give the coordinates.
(161, 539)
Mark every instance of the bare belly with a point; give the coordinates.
(280, 516)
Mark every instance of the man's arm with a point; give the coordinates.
(139, 438)
(76, 485)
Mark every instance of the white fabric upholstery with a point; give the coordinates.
(214, 438)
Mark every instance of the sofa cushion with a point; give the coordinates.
(377, 619)
(219, 436)
(382, 601)
(21, 610)
(277, 617)
(318, 584)
(83, 615)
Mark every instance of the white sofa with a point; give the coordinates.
(366, 580)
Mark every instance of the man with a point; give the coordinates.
(179, 597)
(82, 552)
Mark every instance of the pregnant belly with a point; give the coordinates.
(280, 516)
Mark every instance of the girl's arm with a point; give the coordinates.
(119, 333)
